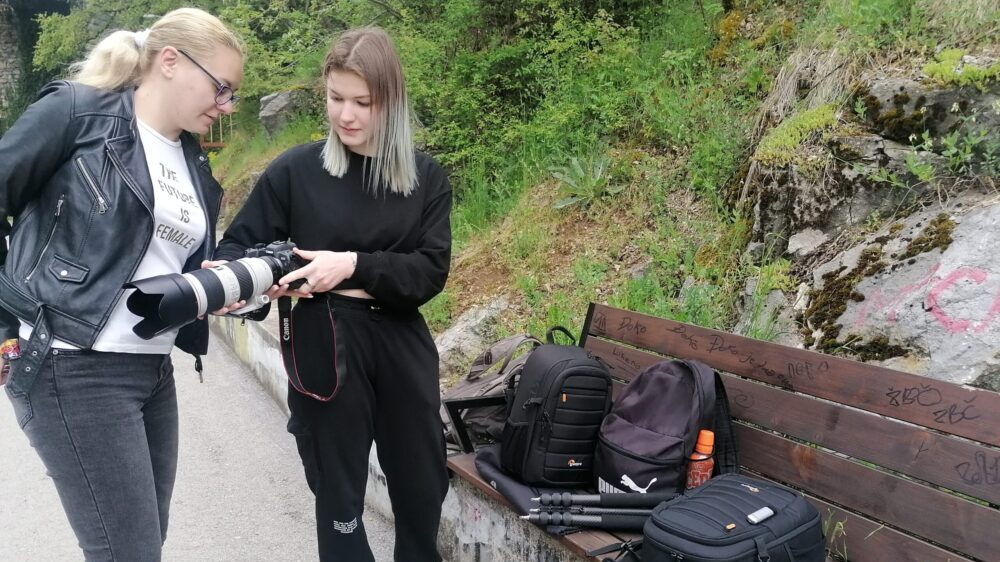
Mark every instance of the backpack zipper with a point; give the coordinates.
(48, 239)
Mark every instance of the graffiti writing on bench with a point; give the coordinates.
(629, 325)
(928, 396)
(621, 356)
(601, 322)
(924, 395)
(800, 368)
(682, 332)
(718, 344)
(981, 470)
(955, 413)
(743, 400)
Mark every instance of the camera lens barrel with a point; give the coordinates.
(167, 302)
(230, 282)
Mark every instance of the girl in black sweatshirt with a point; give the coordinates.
(370, 216)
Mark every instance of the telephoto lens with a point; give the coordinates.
(167, 302)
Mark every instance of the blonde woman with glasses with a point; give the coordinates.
(371, 216)
(107, 184)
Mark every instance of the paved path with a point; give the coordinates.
(240, 496)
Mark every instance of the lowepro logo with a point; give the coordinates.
(574, 463)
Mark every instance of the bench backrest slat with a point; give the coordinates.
(940, 459)
(897, 501)
(935, 404)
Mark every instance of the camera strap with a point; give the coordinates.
(287, 337)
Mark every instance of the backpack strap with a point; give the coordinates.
(726, 451)
(550, 334)
(502, 350)
(716, 415)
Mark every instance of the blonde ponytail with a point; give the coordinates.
(112, 64)
(120, 61)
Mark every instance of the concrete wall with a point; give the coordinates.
(474, 528)
(10, 57)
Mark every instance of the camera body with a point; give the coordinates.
(285, 259)
(167, 302)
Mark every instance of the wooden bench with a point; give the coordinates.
(901, 467)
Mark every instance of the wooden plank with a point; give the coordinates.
(948, 407)
(580, 542)
(953, 463)
(945, 519)
(624, 363)
(859, 539)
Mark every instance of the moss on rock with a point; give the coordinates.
(778, 148)
(937, 234)
(949, 69)
(830, 302)
(878, 348)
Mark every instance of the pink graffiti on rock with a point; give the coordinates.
(888, 303)
(956, 325)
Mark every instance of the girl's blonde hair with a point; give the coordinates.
(119, 61)
(369, 53)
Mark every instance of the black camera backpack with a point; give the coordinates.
(551, 429)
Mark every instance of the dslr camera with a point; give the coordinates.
(167, 302)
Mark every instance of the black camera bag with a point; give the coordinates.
(709, 524)
(550, 432)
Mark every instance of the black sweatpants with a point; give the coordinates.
(388, 390)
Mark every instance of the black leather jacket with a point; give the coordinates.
(73, 175)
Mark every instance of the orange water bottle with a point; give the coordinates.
(701, 463)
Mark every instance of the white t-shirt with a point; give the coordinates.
(179, 228)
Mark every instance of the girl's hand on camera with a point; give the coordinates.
(324, 272)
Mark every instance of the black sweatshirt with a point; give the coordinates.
(403, 243)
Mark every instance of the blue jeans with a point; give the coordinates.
(105, 426)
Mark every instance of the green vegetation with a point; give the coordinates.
(949, 69)
(596, 147)
(778, 147)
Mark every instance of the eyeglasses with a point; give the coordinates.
(224, 94)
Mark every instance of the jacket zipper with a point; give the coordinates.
(48, 239)
(209, 241)
(102, 204)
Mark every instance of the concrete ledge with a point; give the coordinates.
(474, 527)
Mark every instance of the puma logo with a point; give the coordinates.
(628, 483)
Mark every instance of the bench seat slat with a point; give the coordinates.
(968, 412)
(944, 518)
(946, 461)
(579, 542)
